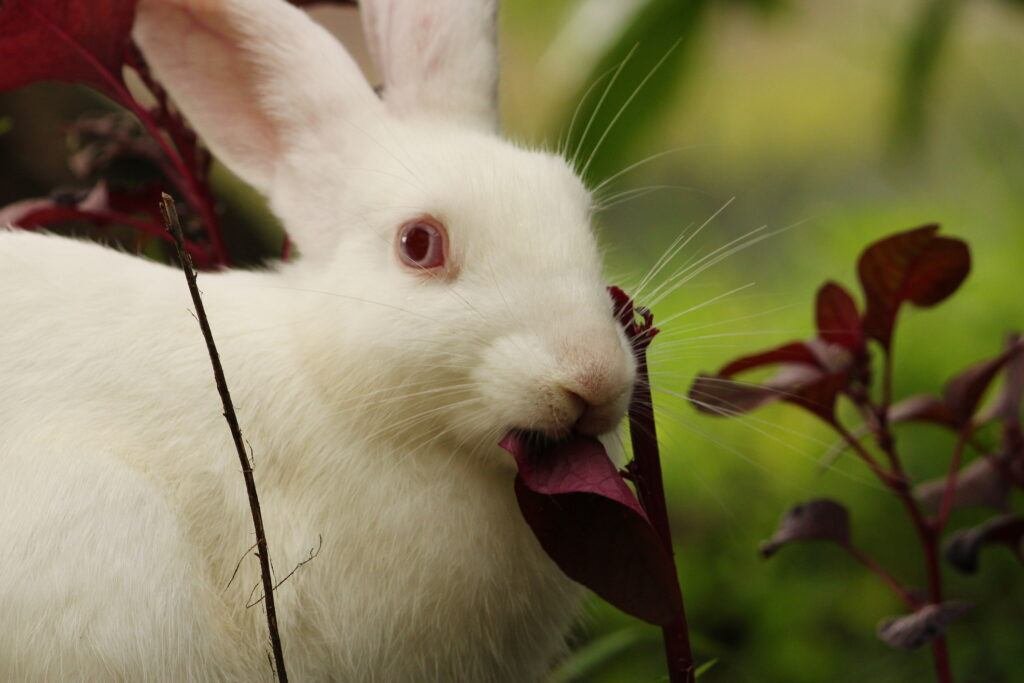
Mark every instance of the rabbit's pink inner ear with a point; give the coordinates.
(252, 76)
(197, 55)
(438, 59)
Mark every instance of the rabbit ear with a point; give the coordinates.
(438, 57)
(255, 77)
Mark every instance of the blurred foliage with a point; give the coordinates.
(636, 76)
(927, 38)
(790, 111)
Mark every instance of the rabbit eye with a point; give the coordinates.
(422, 244)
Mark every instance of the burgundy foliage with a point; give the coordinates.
(963, 547)
(809, 374)
(917, 266)
(815, 520)
(89, 43)
(590, 523)
(922, 268)
(911, 631)
(65, 40)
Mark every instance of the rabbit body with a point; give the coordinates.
(124, 512)
(373, 395)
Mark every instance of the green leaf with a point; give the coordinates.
(640, 72)
(594, 654)
(5, 124)
(926, 42)
(705, 667)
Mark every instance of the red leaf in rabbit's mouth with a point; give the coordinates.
(590, 523)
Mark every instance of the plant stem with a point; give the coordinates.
(926, 534)
(651, 492)
(873, 566)
(183, 176)
(173, 226)
(949, 492)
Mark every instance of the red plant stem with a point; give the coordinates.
(194, 157)
(949, 492)
(646, 473)
(184, 177)
(170, 216)
(885, 477)
(927, 536)
(69, 213)
(873, 566)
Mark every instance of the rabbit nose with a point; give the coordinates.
(600, 390)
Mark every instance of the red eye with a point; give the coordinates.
(422, 244)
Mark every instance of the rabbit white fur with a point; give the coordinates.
(373, 395)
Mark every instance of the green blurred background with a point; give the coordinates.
(832, 122)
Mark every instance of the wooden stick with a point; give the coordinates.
(173, 226)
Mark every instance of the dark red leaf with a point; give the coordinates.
(821, 519)
(725, 397)
(794, 352)
(800, 383)
(99, 207)
(963, 547)
(913, 630)
(963, 393)
(64, 40)
(916, 266)
(922, 408)
(589, 522)
(818, 396)
(838, 320)
(1007, 405)
(979, 484)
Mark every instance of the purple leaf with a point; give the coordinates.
(922, 408)
(65, 40)
(794, 352)
(911, 631)
(821, 519)
(1007, 404)
(963, 393)
(837, 318)
(805, 385)
(589, 522)
(916, 266)
(963, 547)
(817, 396)
(979, 484)
(99, 207)
(725, 397)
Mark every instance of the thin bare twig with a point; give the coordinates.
(238, 566)
(173, 226)
(313, 552)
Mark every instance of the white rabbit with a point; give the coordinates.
(373, 377)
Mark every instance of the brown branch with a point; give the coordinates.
(173, 226)
(313, 552)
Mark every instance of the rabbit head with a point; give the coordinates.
(457, 269)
